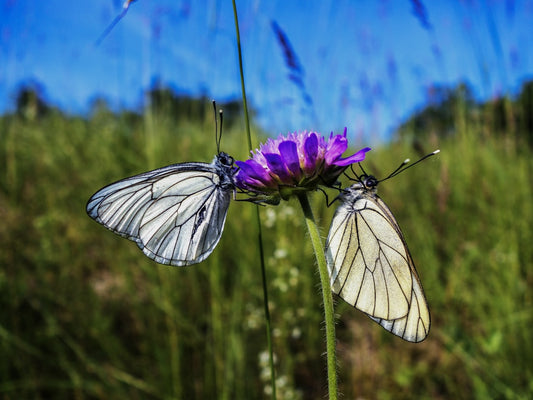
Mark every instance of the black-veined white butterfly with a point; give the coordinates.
(175, 214)
(370, 265)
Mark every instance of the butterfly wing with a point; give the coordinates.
(370, 266)
(414, 327)
(175, 214)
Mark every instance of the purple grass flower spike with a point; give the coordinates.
(293, 163)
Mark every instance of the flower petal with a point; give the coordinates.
(277, 166)
(310, 152)
(335, 148)
(253, 170)
(357, 157)
(270, 146)
(289, 155)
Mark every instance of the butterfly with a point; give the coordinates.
(175, 214)
(369, 264)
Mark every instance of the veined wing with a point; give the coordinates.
(370, 266)
(414, 327)
(175, 214)
(367, 260)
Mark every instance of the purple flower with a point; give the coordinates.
(296, 162)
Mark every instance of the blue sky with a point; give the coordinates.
(367, 64)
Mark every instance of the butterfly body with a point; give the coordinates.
(175, 214)
(370, 265)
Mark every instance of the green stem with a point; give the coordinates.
(257, 216)
(241, 69)
(326, 294)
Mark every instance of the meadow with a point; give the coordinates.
(85, 315)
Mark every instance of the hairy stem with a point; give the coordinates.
(326, 294)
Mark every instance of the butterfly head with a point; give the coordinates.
(368, 182)
(225, 160)
(365, 184)
(224, 164)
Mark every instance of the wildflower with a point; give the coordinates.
(294, 163)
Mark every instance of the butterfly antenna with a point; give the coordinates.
(362, 169)
(221, 114)
(403, 167)
(353, 172)
(217, 135)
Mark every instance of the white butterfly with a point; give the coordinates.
(370, 265)
(175, 214)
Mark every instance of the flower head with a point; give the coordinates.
(296, 162)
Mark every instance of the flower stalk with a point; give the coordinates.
(327, 297)
(257, 216)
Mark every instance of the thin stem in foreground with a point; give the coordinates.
(326, 294)
(257, 216)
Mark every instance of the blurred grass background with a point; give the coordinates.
(85, 315)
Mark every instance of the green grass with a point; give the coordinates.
(86, 315)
